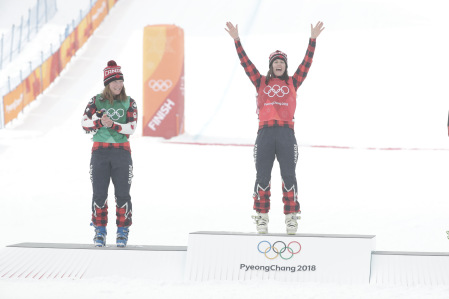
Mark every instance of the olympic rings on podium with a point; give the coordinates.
(281, 251)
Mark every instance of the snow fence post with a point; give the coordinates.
(20, 35)
(2, 122)
(1, 52)
(12, 43)
(29, 24)
(37, 16)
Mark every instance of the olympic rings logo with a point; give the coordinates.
(276, 90)
(160, 85)
(281, 252)
(115, 114)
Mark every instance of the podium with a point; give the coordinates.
(42, 261)
(410, 268)
(232, 256)
(299, 258)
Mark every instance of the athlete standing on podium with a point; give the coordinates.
(276, 104)
(111, 117)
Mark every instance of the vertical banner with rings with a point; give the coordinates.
(163, 81)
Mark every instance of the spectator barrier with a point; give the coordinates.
(43, 75)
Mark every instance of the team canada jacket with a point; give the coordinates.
(124, 115)
(276, 101)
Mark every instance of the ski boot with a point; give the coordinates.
(261, 220)
(100, 235)
(291, 223)
(122, 236)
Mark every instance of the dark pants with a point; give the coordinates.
(116, 165)
(280, 143)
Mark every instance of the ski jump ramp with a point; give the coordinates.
(231, 256)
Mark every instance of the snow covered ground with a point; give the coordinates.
(378, 80)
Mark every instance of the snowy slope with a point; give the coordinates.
(378, 80)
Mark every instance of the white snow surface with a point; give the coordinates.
(379, 79)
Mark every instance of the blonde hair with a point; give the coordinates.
(109, 95)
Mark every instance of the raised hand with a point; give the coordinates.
(233, 31)
(316, 31)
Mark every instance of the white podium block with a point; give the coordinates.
(410, 268)
(80, 261)
(300, 257)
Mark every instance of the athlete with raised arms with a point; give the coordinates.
(276, 104)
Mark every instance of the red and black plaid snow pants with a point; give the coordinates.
(280, 143)
(111, 164)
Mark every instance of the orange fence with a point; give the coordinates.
(41, 78)
(163, 81)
